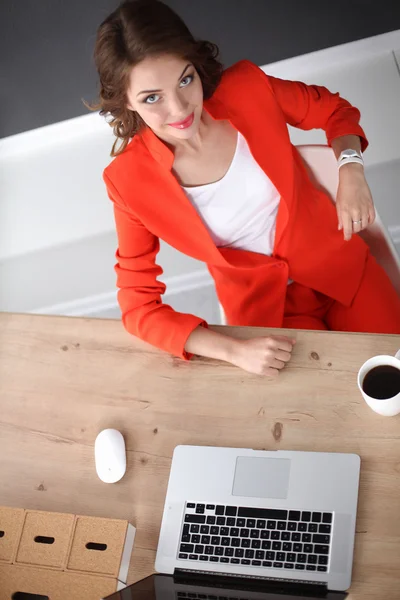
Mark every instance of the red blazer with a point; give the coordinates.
(149, 204)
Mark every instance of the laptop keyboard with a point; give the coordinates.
(257, 537)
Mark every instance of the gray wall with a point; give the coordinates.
(46, 45)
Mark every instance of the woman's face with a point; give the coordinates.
(166, 92)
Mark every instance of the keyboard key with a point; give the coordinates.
(186, 548)
(312, 559)
(256, 544)
(200, 508)
(234, 532)
(266, 545)
(261, 523)
(219, 510)
(193, 557)
(199, 549)
(221, 520)
(302, 558)
(203, 557)
(267, 563)
(205, 539)
(275, 535)
(225, 541)
(235, 561)
(205, 529)
(321, 549)
(195, 539)
(260, 555)
(294, 515)
(311, 568)
(244, 533)
(271, 524)
(327, 517)
(281, 525)
(235, 542)
(195, 529)
(256, 563)
(323, 569)
(287, 547)
(278, 565)
(306, 537)
(190, 505)
(318, 538)
(302, 527)
(254, 533)
(300, 567)
(186, 528)
(250, 523)
(214, 558)
(270, 555)
(292, 526)
(249, 554)
(185, 538)
(224, 559)
(228, 552)
(285, 536)
(308, 548)
(183, 556)
(322, 560)
(296, 537)
(280, 556)
(216, 540)
(209, 550)
(245, 543)
(291, 557)
(241, 522)
(306, 516)
(297, 547)
(313, 527)
(289, 566)
(263, 513)
(231, 521)
(219, 551)
(324, 528)
(265, 534)
(231, 511)
(195, 519)
(316, 517)
(239, 552)
(245, 561)
(224, 531)
(211, 520)
(276, 545)
(210, 507)
(214, 530)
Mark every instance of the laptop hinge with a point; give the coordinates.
(252, 583)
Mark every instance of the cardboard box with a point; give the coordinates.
(46, 539)
(102, 547)
(11, 522)
(46, 584)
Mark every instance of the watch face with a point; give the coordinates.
(347, 153)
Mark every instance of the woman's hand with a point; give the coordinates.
(354, 204)
(263, 355)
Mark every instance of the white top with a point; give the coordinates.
(240, 209)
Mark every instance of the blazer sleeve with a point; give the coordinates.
(315, 107)
(139, 296)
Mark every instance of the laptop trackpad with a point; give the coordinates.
(261, 477)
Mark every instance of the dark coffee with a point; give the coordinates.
(382, 382)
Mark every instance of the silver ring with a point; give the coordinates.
(356, 222)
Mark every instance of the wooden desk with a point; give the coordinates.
(62, 380)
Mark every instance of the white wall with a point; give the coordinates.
(57, 238)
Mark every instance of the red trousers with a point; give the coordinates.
(375, 308)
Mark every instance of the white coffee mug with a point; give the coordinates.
(390, 406)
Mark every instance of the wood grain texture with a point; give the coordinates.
(62, 380)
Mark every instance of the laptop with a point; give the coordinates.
(249, 524)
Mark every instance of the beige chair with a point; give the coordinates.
(321, 164)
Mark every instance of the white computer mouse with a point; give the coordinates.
(110, 455)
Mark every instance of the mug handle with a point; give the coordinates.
(397, 355)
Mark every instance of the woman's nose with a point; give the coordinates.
(178, 106)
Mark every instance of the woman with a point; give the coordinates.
(206, 164)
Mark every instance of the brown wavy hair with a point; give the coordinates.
(135, 30)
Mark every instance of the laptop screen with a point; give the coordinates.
(165, 587)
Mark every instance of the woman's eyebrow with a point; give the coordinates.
(154, 91)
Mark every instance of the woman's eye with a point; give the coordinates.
(151, 99)
(186, 80)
